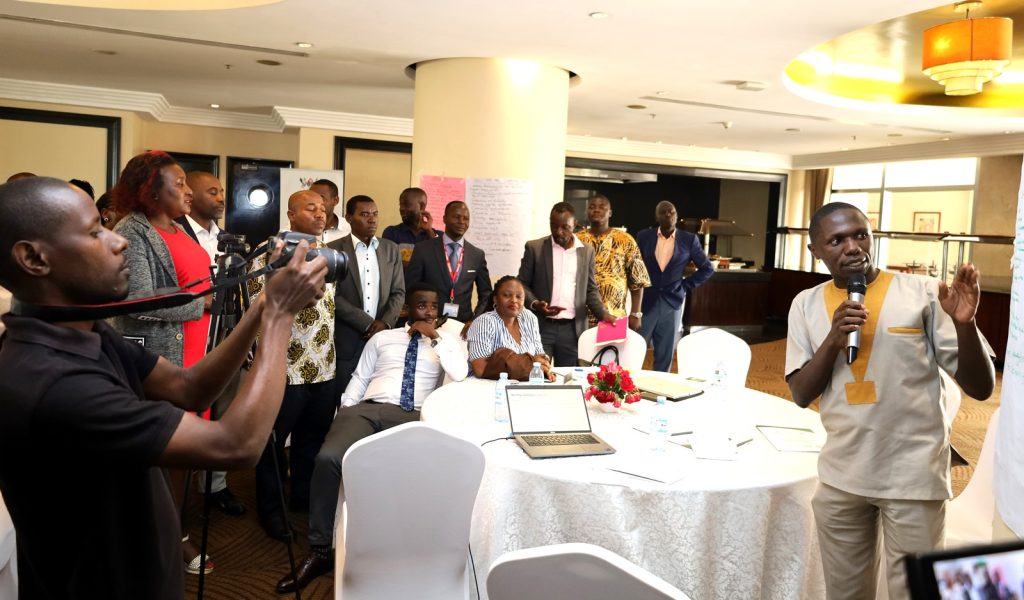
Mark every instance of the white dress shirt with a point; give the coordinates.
(369, 273)
(563, 287)
(378, 376)
(335, 233)
(206, 239)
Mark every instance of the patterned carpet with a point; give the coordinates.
(248, 563)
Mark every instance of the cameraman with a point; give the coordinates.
(87, 418)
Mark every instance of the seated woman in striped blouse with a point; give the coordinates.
(507, 339)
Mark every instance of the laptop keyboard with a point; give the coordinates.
(564, 439)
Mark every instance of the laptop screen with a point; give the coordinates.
(547, 408)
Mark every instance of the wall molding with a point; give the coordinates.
(984, 145)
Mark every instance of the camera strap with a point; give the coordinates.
(158, 299)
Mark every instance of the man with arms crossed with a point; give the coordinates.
(397, 371)
(103, 415)
(886, 458)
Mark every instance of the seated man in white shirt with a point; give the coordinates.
(397, 371)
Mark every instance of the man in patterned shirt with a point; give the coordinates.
(618, 265)
(309, 399)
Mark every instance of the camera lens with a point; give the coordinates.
(337, 263)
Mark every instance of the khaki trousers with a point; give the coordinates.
(848, 536)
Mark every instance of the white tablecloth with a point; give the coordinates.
(738, 529)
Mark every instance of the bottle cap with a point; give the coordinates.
(503, 376)
(536, 364)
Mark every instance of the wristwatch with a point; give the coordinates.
(637, 314)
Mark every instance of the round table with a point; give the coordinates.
(727, 529)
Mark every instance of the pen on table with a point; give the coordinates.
(747, 441)
(682, 433)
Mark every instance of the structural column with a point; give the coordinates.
(496, 118)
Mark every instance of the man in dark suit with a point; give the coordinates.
(452, 265)
(667, 250)
(369, 299)
(558, 276)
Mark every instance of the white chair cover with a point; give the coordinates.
(409, 495)
(8, 556)
(632, 350)
(699, 353)
(573, 571)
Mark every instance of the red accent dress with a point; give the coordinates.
(191, 262)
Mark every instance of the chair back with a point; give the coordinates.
(632, 350)
(699, 353)
(573, 571)
(409, 495)
(969, 515)
(8, 556)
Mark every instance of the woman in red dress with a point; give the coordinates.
(151, 193)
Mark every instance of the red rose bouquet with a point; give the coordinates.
(612, 384)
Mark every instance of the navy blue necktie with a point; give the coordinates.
(409, 373)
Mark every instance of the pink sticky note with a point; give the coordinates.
(609, 332)
(440, 191)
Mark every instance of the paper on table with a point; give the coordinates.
(791, 439)
(612, 332)
(662, 467)
(713, 446)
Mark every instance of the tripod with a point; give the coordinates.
(228, 305)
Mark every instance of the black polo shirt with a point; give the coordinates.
(78, 441)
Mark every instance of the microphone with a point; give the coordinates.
(856, 287)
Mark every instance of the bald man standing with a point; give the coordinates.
(309, 400)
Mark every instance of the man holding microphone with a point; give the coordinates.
(886, 458)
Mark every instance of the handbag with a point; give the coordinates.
(598, 359)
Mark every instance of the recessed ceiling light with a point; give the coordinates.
(636, 106)
(750, 86)
(624, 138)
(1007, 132)
(215, 106)
(303, 44)
(599, 15)
(895, 135)
(105, 52)
(660, 93)
(793, 129)
(269, 63)
(945, 139)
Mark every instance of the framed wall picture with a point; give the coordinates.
(873, 220)
(927, 222)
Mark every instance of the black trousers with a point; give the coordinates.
(351, 425)
(560, 341)
(306, 414)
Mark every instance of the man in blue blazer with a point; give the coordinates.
(667, 250)
(453, 266)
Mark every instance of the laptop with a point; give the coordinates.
(937, 575)
(551, 420)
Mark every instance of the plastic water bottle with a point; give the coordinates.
(720, 377)
(500, 400)
(659, 425)
(536, 374)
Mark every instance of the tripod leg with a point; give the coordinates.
(207, 501)
(272, 448)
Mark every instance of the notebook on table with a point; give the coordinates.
(651, 387)
(551, 420)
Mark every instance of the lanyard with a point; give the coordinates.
(454, 273)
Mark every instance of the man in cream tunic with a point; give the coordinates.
(886, 459)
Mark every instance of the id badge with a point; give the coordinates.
(450, 310)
